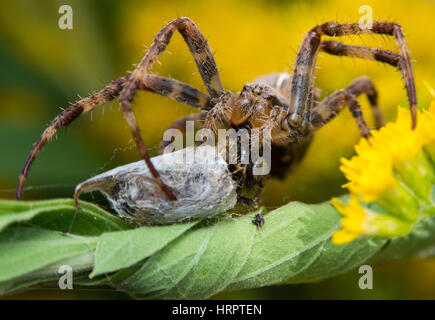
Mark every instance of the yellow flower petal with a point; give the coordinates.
(360, 221)
(372, 172)
(343, 236)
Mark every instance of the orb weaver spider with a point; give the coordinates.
(286, 104)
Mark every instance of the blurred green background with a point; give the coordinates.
(43, 68)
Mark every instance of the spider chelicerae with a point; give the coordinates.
(286, 104)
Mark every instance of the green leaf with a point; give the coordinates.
(199, 264)
(122, 249)
(27, 249)
(293, 246)
(38, 235)
(60, 215)
(79, 264)
(186, 261)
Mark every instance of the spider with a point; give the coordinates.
(286, 104)
(258, 220)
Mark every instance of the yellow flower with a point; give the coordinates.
(358, 221)
(370, 165)
(391, 161)
(397, 140)
(395, 168)
(352, 222)
(427, 130)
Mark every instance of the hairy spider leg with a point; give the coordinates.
(388, 57)
(207, 68)
(334, 103)
(362, 85)
(301, 85)
(358, 86)
(167, 87)
(66, 117)
(176, 90)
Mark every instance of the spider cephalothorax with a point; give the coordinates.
(286, 105)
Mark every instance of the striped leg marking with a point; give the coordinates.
(166, 87)
(176, 90)
(205, 62)
(365, 85)
(301, 84)
(66, 117)
(329, 107)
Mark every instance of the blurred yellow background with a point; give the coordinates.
(42, 68)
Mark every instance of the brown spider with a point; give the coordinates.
(286, 104)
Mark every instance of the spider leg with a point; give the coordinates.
(365, 85)
(167, 87)
(388, 57)
(66, 117)
(340, 49)
(329, 107)
(301, 85)
(205, 62)
(176, 90)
